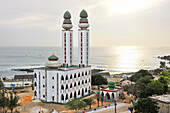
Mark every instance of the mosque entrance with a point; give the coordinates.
(107, 98)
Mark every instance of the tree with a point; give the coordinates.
(130, 109)
(146, 105)
(13, 101)
(3, 101)
(147, 92)
(135, 89)
(122, 96)
(75, 104)
(145, 80)
(89, 102)
(98, 97)
(98, 79)
(157, 87)
(139, 74)
(164, 81)
(102, 98)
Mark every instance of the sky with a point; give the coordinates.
(112, 22)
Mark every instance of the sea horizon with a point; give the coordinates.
(115, 59)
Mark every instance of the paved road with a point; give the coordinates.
(111, 107)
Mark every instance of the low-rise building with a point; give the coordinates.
(111, 92)
(163, 103)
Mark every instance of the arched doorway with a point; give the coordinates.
(107, 97)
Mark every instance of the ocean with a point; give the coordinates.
(116, 59)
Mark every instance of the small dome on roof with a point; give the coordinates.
(67, 15)
(111, 82)
(53, 57)
(83, 14)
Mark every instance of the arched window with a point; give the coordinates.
(71, 76)
(79, 92)
(82, 92)
(35, 75)
(89, 79)
(62, 87)
(71, 85)
(75, 75)
(71, 95)
(89, 72)
(86, 81)
(86, 90)
(86, 73)
(113, 97)
(66, 77)
(62, 77)
(79, 83)
(35, 93)
(82, 81)
(35, 84)
(62, 97)
(82, 74)
(66, 96)
(75, 95)
(75, 84)
(66, 86)
(79, 75)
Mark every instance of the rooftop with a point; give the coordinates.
(117, 88)
(72, 67)
(162, 98)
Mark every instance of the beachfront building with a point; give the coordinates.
(60, 82)
(111, 92)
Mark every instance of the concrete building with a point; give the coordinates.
(17, 83)
(163, 102)
(60, 82)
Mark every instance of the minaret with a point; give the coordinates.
(83, 39)
(67, 40)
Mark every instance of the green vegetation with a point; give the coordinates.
(75, 104)
(7, 103)
(146, 105)
(89, 102)
(139, 74)
(98, 97)
(122, 96)
(98, 79)
(130, 109)
(157, 87)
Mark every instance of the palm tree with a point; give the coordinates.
(102, 98)
(130, 108)
(13, 102)
(98, 97)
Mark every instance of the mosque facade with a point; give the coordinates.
(59, 82)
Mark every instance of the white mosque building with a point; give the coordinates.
(60, 82)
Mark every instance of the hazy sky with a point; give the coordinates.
(112, 22)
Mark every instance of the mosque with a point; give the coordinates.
(111, 92)
(60, 82)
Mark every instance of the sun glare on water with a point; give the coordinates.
(129, 6)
